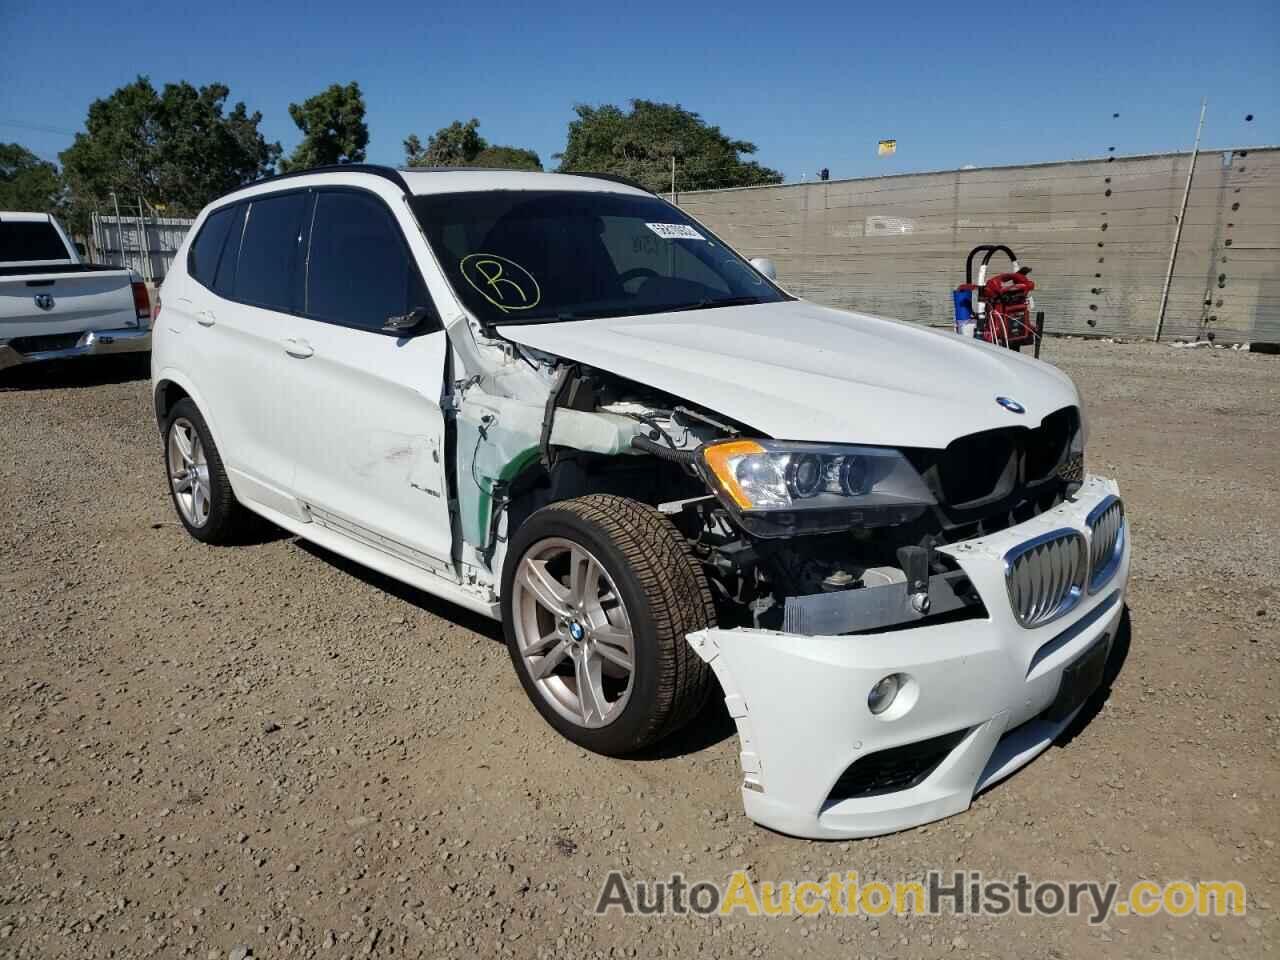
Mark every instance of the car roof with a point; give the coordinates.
(465, 179)
(425, 181)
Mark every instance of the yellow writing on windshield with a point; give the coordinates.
(501, 281)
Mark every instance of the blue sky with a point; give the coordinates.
(812, 85)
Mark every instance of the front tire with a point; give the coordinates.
(598, 594)
(198, 484)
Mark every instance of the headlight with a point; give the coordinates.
(778, 489)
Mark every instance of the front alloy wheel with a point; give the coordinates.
(573, 631)
(598, 596)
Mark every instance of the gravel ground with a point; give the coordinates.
(210, 749)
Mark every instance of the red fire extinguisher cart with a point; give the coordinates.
(998, 309)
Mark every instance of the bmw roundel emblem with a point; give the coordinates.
(1013, 406)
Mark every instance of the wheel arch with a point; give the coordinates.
(529, 489)
(531, 485)
(170, 386)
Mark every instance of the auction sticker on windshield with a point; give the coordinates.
(675, 231)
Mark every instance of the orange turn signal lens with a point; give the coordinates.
(721, 458)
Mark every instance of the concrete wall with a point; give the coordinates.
(1096, 233)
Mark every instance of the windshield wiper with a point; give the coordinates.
(568, 316)
(708, 303)
(564, 316)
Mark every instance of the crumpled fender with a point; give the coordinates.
(498, 438)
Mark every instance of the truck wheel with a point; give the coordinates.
(598, 594)
(198, 482)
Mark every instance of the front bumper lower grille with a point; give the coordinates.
(899, 768)
(1046, 576)
(1106, 541)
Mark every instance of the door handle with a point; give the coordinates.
(205, 318)
(298, 348)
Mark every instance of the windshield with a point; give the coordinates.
(542, 256)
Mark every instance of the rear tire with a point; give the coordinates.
(198, 484)
(598, 594)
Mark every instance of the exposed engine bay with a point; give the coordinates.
(536, 428)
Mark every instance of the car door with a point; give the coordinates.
(239, 338)
(367, 430)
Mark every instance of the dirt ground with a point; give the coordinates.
(204, 749)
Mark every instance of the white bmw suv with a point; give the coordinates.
(560, 401)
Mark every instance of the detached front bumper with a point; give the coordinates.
(982, 698)
(91, 343)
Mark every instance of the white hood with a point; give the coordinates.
(798, 371)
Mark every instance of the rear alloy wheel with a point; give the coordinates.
(198, 483)
(189, 472)
(598, 596)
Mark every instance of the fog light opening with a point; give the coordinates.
(885, 692)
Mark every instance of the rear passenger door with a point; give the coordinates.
(241, 325)
(367, 429)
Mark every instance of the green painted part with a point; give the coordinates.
(513, 469)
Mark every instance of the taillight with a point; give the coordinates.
(141, 300)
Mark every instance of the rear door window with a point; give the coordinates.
(268, 267)
(359, 271)
(224, 281)
(202, 261)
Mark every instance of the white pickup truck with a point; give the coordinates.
(53, 305)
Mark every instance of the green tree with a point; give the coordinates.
(203, 153)
(639, 144)
(175, 149)
(333, 128)
(460, 145)
(508, 158)
(456, 145)
(118, 152)
(28, 183)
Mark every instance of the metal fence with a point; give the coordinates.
(145, 243)
(1097, 233)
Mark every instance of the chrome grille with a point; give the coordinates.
(1045, 576)
(1106, 543)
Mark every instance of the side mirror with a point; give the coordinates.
(765, 266)
(407, 324)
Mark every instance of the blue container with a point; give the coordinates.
(964, 308)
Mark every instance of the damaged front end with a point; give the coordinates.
(532, 429)
(801, 536)
(896, 628)
(854, 734)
